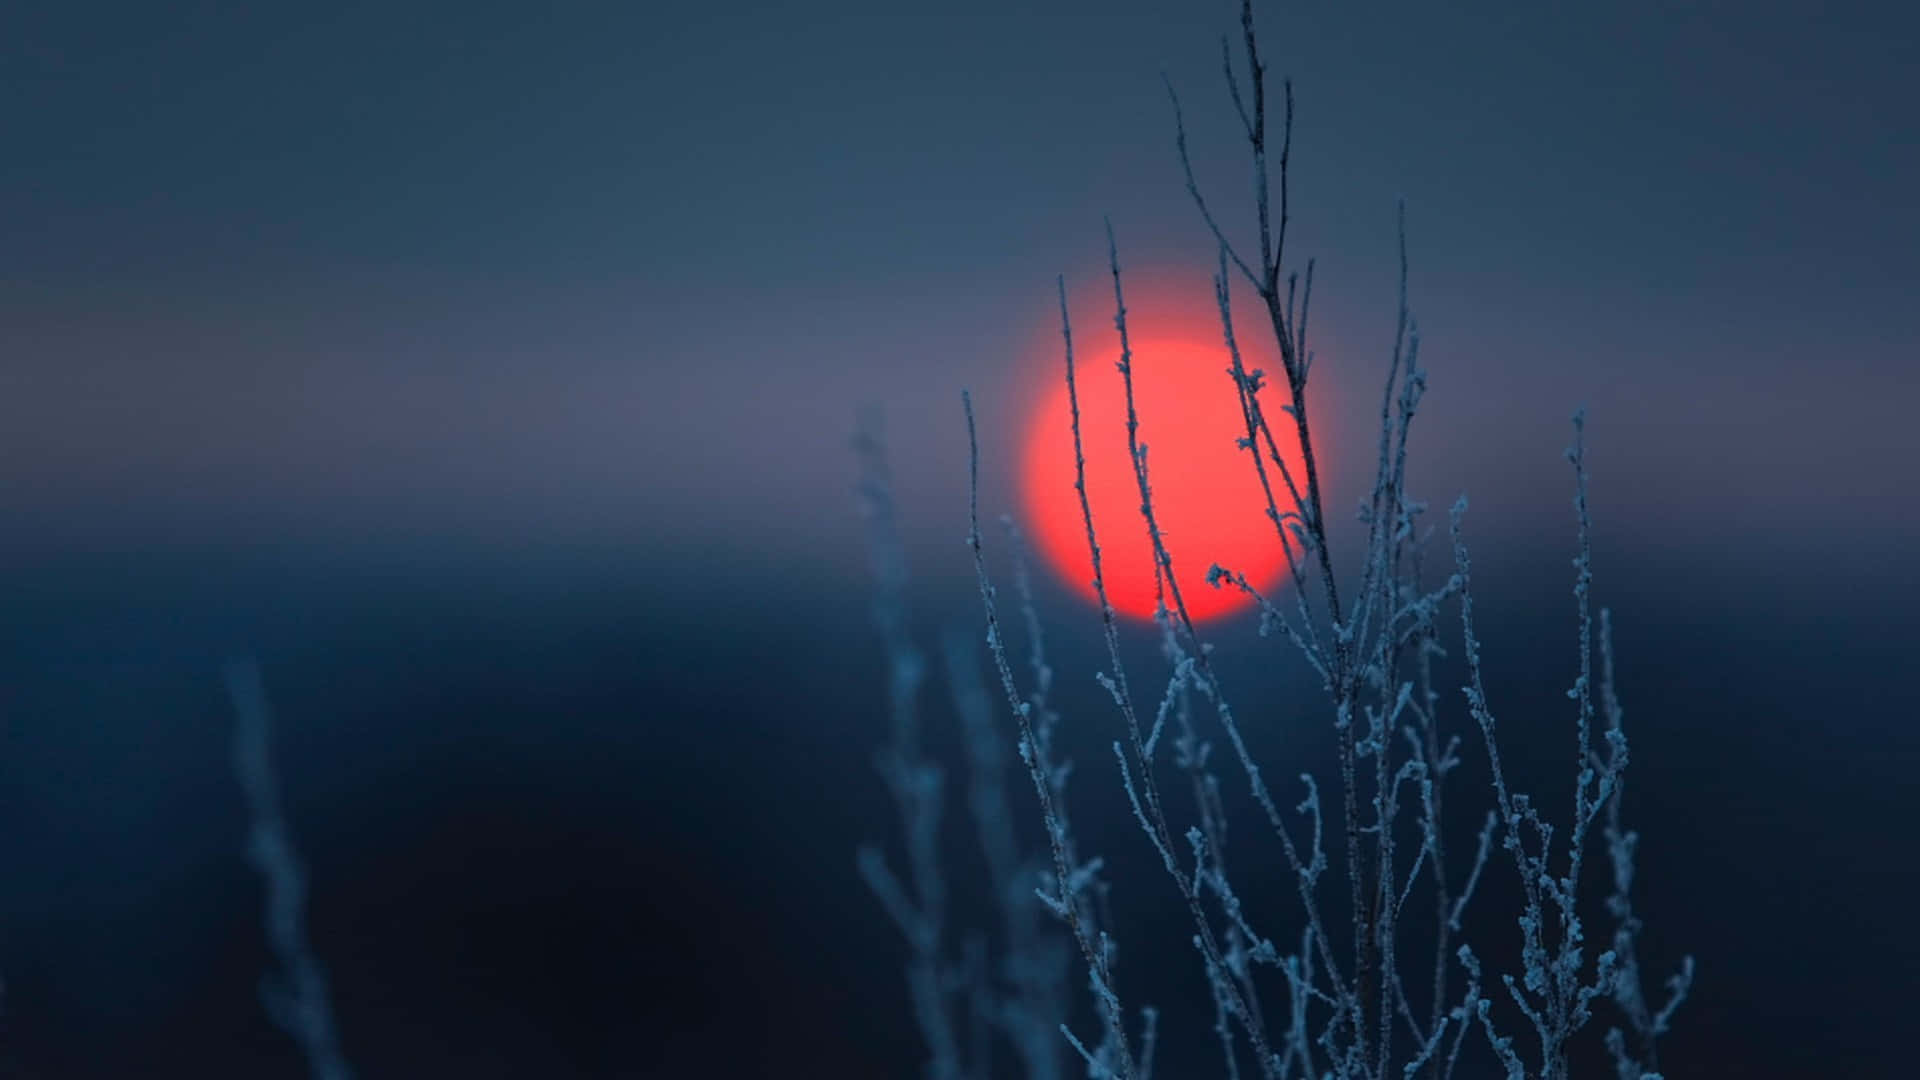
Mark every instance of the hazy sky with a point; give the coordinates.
(501, 275)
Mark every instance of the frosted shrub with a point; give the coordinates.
(1325, 989)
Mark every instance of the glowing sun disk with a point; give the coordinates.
(1207, 497)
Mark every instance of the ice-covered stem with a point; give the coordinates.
(1439, 759)
(1066, 898)
(1639, 1060)
(1208, 680)
(918, 904)
(1246, 948)
(1289, 331)
(1378, 643)
(1550, 992)
(1040, 714)
(1035, 962)
(1045, 720)
(298, 1001)
(1148, 804)
(1514, 810)
(1247, 386)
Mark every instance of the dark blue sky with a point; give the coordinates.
(488, 370)
(444, 271)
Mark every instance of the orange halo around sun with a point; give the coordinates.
(1206, 495)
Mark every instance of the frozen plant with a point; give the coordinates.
(966, 1004)
(1326, 991)
(298, 1000)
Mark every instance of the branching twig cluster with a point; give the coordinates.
(1341, 1001)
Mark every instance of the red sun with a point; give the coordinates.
(1206, 495)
